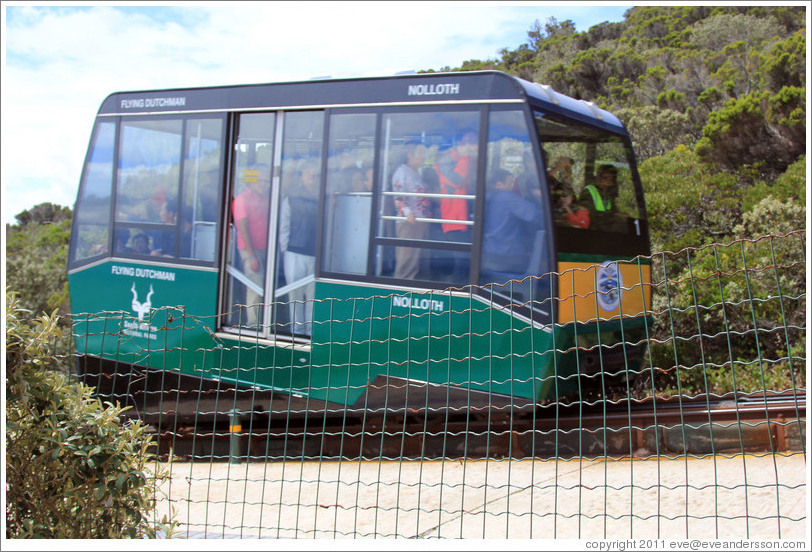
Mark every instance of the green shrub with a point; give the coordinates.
(73, 470)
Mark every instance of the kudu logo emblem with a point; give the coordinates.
(141, 309)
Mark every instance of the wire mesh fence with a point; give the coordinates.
(683, 420)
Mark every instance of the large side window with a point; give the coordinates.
(167, 188)
(348, 205)
(426, 206)
(92, 218)
(147, 185)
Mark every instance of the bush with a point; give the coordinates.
(73, 470)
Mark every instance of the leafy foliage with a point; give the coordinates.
(36, 266)
(735, 315)
(37, 257)
(689, 59)
(72, 469)
(679, 186)
(758, 129)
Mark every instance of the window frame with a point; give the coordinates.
(224, 159)
(268, 327)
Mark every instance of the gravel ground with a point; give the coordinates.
(746, 496)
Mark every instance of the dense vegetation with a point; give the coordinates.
(715, 101)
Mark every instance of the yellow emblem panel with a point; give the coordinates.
(607, 291)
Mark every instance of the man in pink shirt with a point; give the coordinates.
(250, 209)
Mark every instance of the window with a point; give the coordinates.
(157, 212)
(427, 197)
(516, 222)
(274, 212)
(148, 169)
(590, 178)
(348, 204)
(201, 189)
(250, 204)
(92, 218)
(298, 222)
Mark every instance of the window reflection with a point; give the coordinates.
(298, 222)
(160, 212)
(201, 185)
(349, 192)
(250, 212)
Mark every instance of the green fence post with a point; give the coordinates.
(234, 429)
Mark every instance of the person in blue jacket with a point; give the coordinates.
(510, 224)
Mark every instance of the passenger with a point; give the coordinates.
(559, 177)
(140, 244)
(510, 223)
(163, 242)
(122, 237)
(566, 209)
(407, 178)
(455, 171)
(362, 180)
(601, 196)
(250, 210)
(297, 240)
(343, 179)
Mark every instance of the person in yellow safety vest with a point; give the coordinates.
(601, 196)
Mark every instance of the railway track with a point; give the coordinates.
(772, 422)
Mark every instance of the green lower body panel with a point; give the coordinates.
(363, 338)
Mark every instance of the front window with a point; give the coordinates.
(516, 225)
(590, 177)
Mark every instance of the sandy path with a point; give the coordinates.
(712, 497)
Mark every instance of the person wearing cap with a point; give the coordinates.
(250, 211)
(140, 244)
(601, 195)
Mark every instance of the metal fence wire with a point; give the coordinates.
(686, 422)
